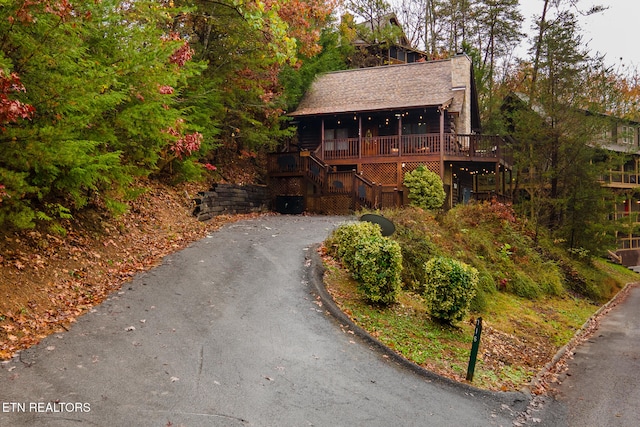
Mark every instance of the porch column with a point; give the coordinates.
(400, 136)
(322, 139)
(360, 136)
(442, 111)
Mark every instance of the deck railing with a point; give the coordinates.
(626, 243)
(622, 178)
(487, 146)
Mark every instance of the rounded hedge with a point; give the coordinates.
(449, 289)
(373, 260)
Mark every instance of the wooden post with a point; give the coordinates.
(400, 136)
(354, 190)
(360, 147)
(442, 113)
(322, 139)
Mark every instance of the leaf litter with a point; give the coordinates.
(47, 280)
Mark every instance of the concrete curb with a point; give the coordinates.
(315, 274)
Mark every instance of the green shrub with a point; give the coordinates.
(523, 286)
(344, 240)
(450, 288)
(486, 287)
(551, 279)
(425, 188)
(373, 260)
(377, 267)
(416, 251)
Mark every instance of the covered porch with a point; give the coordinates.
(450, 146)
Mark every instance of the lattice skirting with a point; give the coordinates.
(288, 186)
(432, 166)
(381, 173)
(335, 204)
(387, 173)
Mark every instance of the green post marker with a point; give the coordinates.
(474, 349)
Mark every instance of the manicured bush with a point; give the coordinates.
(344, 240)
(373, 260)
(450, 288)
(377, 267)
(426, 190)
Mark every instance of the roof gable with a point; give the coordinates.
(419, 84)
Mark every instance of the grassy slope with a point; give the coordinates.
(528, 297)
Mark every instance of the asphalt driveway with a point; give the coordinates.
(230, 332)
(601, 386)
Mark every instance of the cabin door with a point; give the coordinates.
(370, 141)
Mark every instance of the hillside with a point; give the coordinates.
(532, 295)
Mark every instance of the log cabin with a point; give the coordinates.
(361, 130)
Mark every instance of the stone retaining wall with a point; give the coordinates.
(224, 199)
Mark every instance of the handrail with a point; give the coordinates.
(465, 145)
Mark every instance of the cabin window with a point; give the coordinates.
(627, 135)
(414, 128)
(336, 139)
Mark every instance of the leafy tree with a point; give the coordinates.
(246, 45)
(333, 56)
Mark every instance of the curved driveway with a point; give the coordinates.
(229, 332)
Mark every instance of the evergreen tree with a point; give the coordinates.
(555, 133)
(101, 80)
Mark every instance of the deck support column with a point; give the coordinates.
(322, 139)
(400, 135)
(360, 142)
(442, 110)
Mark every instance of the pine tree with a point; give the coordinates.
(556, 132)
(101, 80)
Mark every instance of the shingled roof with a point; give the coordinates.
(393, 87)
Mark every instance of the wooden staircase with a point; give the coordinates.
(325, 190)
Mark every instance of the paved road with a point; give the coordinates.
(228, 332)
(601, 387)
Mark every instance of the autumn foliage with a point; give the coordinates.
(96, 94)
(11, 110)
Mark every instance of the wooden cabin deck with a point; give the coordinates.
(359, 172)
(418, 147)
